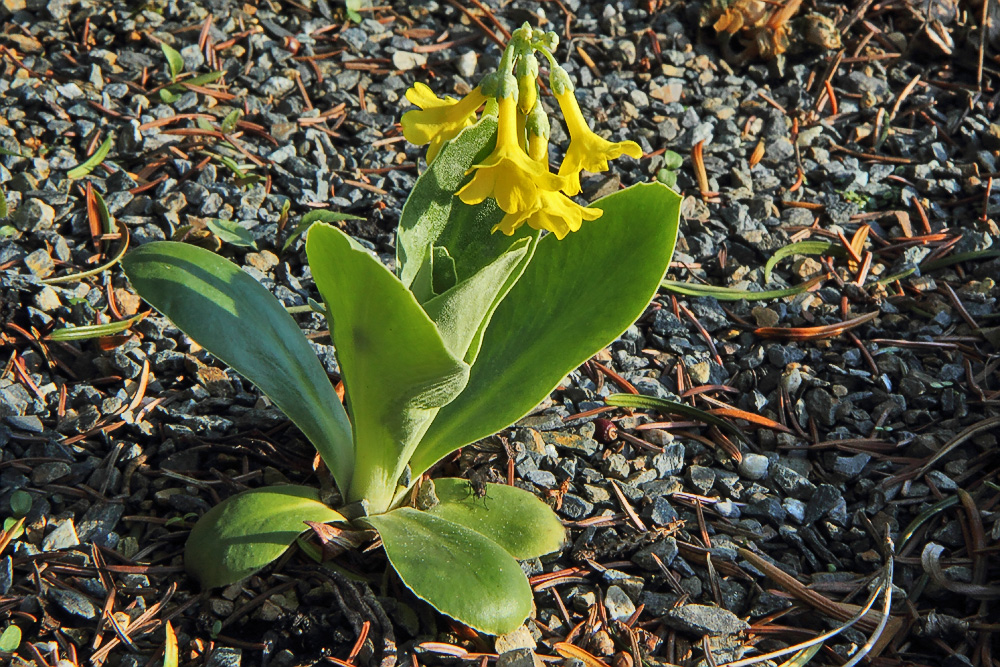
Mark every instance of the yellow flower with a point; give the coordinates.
(508, 174)
(438, 120)
(558, 213)
(586, 149)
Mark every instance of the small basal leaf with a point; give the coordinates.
(10, 639)
(92, 162)
(672, 160)
(231, 232)
(175, 62)
(94, 330)
(515, 519)
(458, 571)
(9, 230)
(312, 217)
(352, 7)
(168, 97)
(247, 531)
(20, 503)
(229, 122)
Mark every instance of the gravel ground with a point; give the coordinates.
(874, 132)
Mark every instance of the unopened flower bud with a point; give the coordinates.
(526, 70)
(559, 81)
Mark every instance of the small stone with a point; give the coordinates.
(851, 466)
(225, 657)
(46, 473)
(700, 620)
(576, 508)
(40, 263)
(276, 86)
(405, 60)
(701, 478)
(465, 64)
(34, 215)
(754, 466)
(825, 498)
(47, 300)
(519, 657)
(73, 603)
(795, 508)
(670, 461)
(618, 604)
(662, 512)
(765, 317)
(6, 574)
(63, 537)
(518, 639)
(665, 550)
(822, 405)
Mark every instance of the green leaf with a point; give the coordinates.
(733, 294)
(352, 7)
(231, 232)
(10, 526)
(515, 519)
(312, 217)
(235, 318)
(94, 330)
(575, 297)
(3, 204)
(202, 79)
(20, 503)
(463, 312)
(935, 264)
(672, 407)
(801, 248)
(443, 270)
(168, 96)
(396, 369)
(667, 177)
(229, 122)
(102, 212)
(672, 160)
(458, 571)
(174, 60)
(432, 208)
(247, 531)
(10, 639)
(92, 162)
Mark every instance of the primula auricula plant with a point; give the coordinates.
(469, 334)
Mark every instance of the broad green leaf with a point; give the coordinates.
(247, 531)
(312, 217)
(174, 60)
(733, 294)
(434, 216)
(673, 407)
(801, 248)
(231, 232)
(89, 331)
(10, 639)
(396, 369)
(463, 311)
(92, 162)
(575, 297)
(515, 519)
(235, 318)
(458, 571)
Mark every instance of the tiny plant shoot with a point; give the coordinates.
(503, 284)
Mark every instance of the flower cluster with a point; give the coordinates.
(517, 173)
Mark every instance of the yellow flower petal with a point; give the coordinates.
(509, 175)
(438, 120)
(558, 214)
(586, 150)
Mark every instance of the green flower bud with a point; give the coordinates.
(526, 70)
(506, 86)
